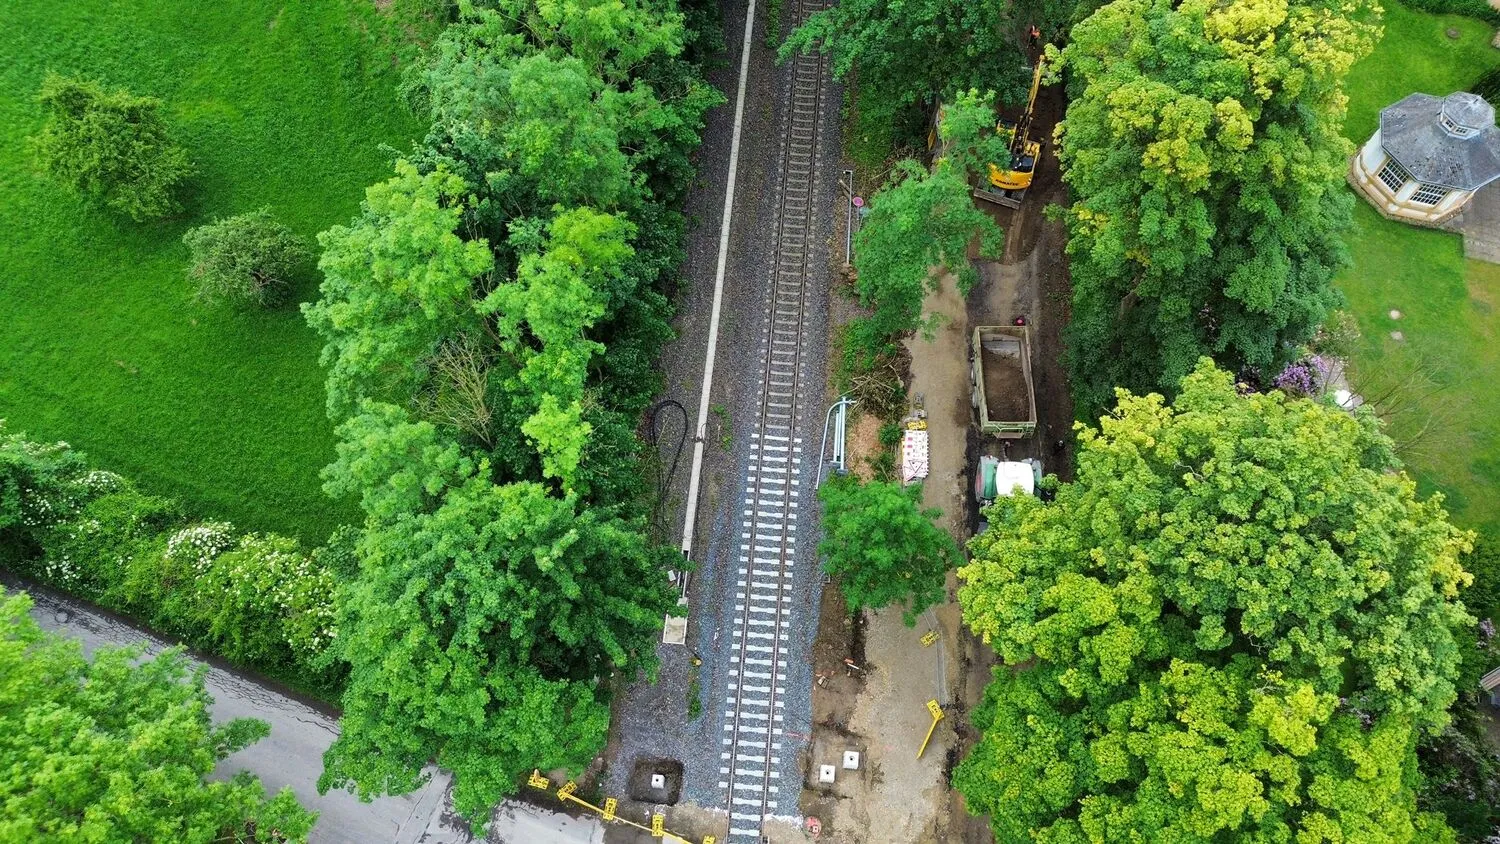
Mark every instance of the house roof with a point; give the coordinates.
(1411, 133)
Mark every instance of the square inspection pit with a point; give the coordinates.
(655, 780)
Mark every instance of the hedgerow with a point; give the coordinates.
(259, 600)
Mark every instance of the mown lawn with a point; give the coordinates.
(279, 104)
(1444, 403)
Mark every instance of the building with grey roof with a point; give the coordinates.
(1429, 157)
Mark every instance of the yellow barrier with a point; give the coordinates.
(566, 792)
(937, 715)
(929, 637)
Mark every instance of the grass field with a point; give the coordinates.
(279, 104)
(1447, 410)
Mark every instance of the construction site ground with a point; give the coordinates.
(881, 710)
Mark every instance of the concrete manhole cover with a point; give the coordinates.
(655, 780)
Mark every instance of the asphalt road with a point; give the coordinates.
(292, 755)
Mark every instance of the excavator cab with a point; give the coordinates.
(1022, 162)
(1011, 183)
(1006, 186)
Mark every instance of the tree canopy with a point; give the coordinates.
(883, 547)
(247, 259)
(920, 226)
(1203, 151)
(110, 146)
(1234, 623)
(908, 53)
(478, 632)
(117, 749)
(491, 321)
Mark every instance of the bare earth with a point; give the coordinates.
(881, 711)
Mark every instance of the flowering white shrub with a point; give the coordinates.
(258, 598)
(269, 578)
(100, 482)
(61, 571)
(45, 495)
(198, 545)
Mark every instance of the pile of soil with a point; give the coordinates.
(1005, 389)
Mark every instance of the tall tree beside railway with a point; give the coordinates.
(490, 323)
(906, 53)
(923, 219)
(1204, 154)
(1234, 623)
(883, 547)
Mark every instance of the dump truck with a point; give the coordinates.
(1002, 381)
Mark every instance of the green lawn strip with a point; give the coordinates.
(1449, 410)
(285, 105)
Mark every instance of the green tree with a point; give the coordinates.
(396, 283)
(883, 547)
(920, 226)
(1483, 595)
(492, 323)
(110, 146)
(1234, 624)
(1204, 154)
(478, 634)
(247, 259)
(1460, 767)
(120, 750)
(558, 294)
(907, 53)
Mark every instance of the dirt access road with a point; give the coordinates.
(881, 711)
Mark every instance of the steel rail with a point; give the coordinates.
(764, 580)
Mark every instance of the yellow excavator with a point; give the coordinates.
(1008, 186)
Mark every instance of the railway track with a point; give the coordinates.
(755, 700)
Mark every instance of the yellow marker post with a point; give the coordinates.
(610, 804)
(658, 826)
(536, 780)
(929, 637)
(937, 715)
(565, 793)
